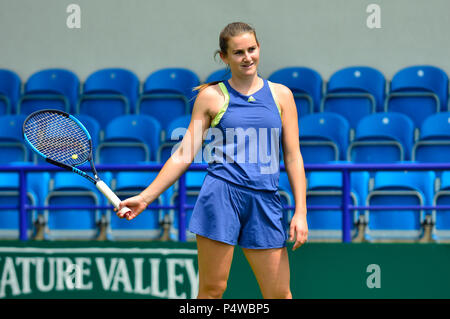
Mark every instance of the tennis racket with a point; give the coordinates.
(63, 141)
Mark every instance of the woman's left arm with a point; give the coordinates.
(293, 162)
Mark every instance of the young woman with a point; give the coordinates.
(239, 201)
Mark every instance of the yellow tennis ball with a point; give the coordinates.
(74, 156)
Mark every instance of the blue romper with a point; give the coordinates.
(239, 201)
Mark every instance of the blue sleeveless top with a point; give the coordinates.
(246, 138)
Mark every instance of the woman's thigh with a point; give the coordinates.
(214, 262)
(271, 269)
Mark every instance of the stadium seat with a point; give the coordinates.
(92, 127)
(218, 75)
(306, 85)
(167, 94)
(12, 146)
(37, 184)
(441, 218)
(395, 189)
(433, 145)
(325, 188)
(147, 224)
(50, 89)
(324, 137)
(10, 90)
(418, 91)
(129, 139)
(174, 134)
(354, 92)
(109, 93)
(382, 138)
(72, 190)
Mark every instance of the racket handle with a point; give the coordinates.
(102, 187)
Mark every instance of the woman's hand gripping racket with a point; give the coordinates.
(63, 141)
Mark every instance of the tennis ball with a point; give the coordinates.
(74, 156)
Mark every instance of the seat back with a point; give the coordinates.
(50, 89)
(167, 94)
(140, 129)
(325, 188)
(74, 223)
(306, 85)
(12, 147)
(109, 93)
(382, 138)
(433, 144)
(323, 137)
(218, 75)
(418, 91)
(355, 92)
(394, 189)
(10, 90)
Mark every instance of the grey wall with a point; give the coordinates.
(145, 35)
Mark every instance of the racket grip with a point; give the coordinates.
(109, 194)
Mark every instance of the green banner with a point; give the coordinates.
(93, 270)
(110, 270)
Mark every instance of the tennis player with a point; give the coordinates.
(239, 203)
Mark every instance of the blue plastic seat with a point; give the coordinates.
(325, 188)
(382, 138)
(167, 94)
(306, 85)
(147, 224)
(174, 134)
(37, 187)
(395, 189)
(418, 91)
(324, 137)
(109, 93)
(433, 145)
(441, 218)
(10, 90)
(354, 92)
(218, 75)
(93, 127)
(50, 89)
(72, 190)
(12, 146)
(129, 138)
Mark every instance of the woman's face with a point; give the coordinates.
(242, 54)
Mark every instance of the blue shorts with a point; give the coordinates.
(234, 214)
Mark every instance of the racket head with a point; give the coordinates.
(58, 136)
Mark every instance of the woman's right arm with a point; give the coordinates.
(181, 159)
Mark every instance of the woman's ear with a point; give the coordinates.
(224, 58)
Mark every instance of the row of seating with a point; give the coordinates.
(353, 92)
(378, 138)
(324, 137)
(386, 188)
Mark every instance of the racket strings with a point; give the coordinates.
(58, 137)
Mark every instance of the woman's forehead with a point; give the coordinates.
(241, 41)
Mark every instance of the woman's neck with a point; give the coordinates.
(246, 85)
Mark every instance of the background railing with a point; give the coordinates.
(344, 168)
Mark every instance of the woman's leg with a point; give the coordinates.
(271, 269)
(214, 262)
